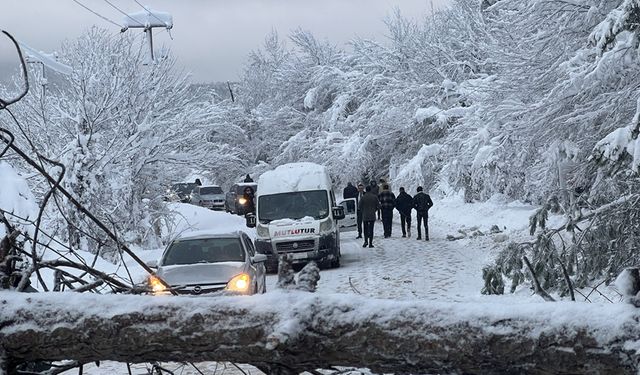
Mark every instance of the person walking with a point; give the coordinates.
(358, 210)
(248, 178)
(422, 203)
(376, 190)
(404, 205)
(387, 204)
(369, 205)
(350, 191)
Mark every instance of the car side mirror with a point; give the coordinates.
(259, 258)
(251, 220)
(152, 263)
(338, 212)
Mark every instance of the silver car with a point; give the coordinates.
(211, 197)
(204, 262)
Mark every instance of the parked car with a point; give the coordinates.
(234, 199)
(210, 196)
(180, 192)
(204, 262)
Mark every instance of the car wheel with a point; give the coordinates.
(335, 263)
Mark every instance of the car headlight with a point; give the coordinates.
(239, 283)
(262, 231)
(325, 226)
(242, 201)
(157, 287)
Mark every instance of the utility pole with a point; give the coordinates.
(43, 79)
(147, 20)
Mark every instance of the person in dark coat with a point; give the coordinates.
(422, 203)
(404, 205)
(369, 205)
(387, 204)
(248, 178)
(350, 191)
(250, 204)
(358, 210)
(375, 189)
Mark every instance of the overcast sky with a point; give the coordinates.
(211, 38)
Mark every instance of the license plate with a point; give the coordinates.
(299, 255)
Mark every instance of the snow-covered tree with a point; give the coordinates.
(124, 130)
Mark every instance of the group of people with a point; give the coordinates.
(379, 201)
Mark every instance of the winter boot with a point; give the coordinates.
(408, 232)
(365, 244)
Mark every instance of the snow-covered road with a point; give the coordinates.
(405, 268)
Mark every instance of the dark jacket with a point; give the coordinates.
(387, 200)
(404, 203)
(350, 192)
(422, 202)
(358, 198)
(374, 189)
(369, 204)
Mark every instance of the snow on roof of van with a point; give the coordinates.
(294, 177)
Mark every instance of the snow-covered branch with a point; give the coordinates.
(300, 331)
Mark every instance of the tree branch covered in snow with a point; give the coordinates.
(302, 331)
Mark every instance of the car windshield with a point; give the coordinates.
(209, 250)
(211, 190)
(240, 188)
(185, 188)
(293, 205)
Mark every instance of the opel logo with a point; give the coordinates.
(197, 289)
(295, 245)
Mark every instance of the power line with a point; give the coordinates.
(121, 11)
(97, 14)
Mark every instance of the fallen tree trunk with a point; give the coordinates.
(299, 331)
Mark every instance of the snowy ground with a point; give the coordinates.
(397, 268)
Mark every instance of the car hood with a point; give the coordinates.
(199, 274)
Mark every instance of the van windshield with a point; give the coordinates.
(293, 205)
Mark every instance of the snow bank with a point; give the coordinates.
(294, 177)
(498, 210)
(16, 198)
